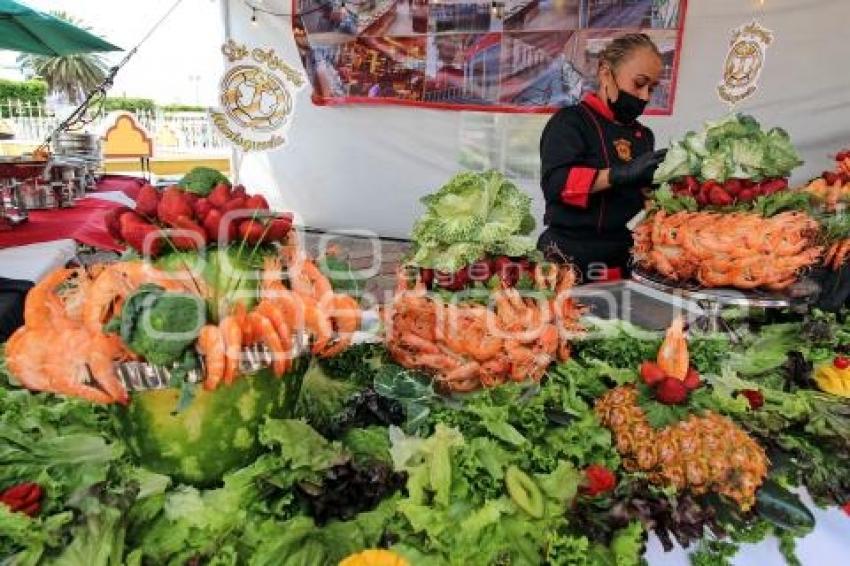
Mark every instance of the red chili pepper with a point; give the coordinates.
(599, 480)
(24, 498)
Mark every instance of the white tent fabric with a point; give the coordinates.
(364, 168)
(352, 167)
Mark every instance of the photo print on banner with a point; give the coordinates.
(485, 55)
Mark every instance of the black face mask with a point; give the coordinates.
(627, 107)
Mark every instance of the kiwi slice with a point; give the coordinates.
(524, 492)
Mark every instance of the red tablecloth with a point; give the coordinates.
(83, 223)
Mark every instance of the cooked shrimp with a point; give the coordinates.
(262, 330)
(276, 317)
(232, 335)
(345, 314)
(673, 356)
(107, 292)
(211, 346)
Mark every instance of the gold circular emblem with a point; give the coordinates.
(254, 98)
(743, 63)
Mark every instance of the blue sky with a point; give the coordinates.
(181, 62)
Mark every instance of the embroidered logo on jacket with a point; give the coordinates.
(624, 149)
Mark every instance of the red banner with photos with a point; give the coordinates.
(483, 55)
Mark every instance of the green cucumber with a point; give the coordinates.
(784, 509)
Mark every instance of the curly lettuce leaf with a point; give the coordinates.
(676, 164)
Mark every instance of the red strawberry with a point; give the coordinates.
(507, 269)
(239, 192)
(219, 196)
(830, 177)
(733, 186)
(746, 195)
(754, 397)
(427, 275)
(451, 281)
(256, 202)
(718, 197)
(278, 229)
(692, 185)
(187, 234)
(113, 226)
(145, 238)
(479, 271)
(174, 204)
(217, 229)
(651, 374)
(202, 206)
(233, 204)
(671, 391)
(129, 218)
(147, 201)
(692, 379)
(251, 231)
(771, 186)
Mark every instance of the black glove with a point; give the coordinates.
(638, 171)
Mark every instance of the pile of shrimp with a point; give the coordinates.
(467, 346)
(741, 250)
(62, 347)
(308, 307)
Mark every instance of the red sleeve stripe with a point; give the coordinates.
(578, 185)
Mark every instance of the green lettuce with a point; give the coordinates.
(733, 147)
(472, 215)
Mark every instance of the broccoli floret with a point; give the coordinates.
(160, 326)
(202, 180)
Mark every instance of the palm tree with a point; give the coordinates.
(70, 75)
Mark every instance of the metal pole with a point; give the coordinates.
(234, 157)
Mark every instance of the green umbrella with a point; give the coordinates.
(29, 31)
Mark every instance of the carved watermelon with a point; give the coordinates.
(216, 433)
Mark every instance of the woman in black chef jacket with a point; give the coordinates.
(597, 161)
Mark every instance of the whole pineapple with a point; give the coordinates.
(701, 453)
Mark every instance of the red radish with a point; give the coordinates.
(671, 391)
(219, 195)
(479, 271)
(692, 379)
(651, 373)
(840, 362)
